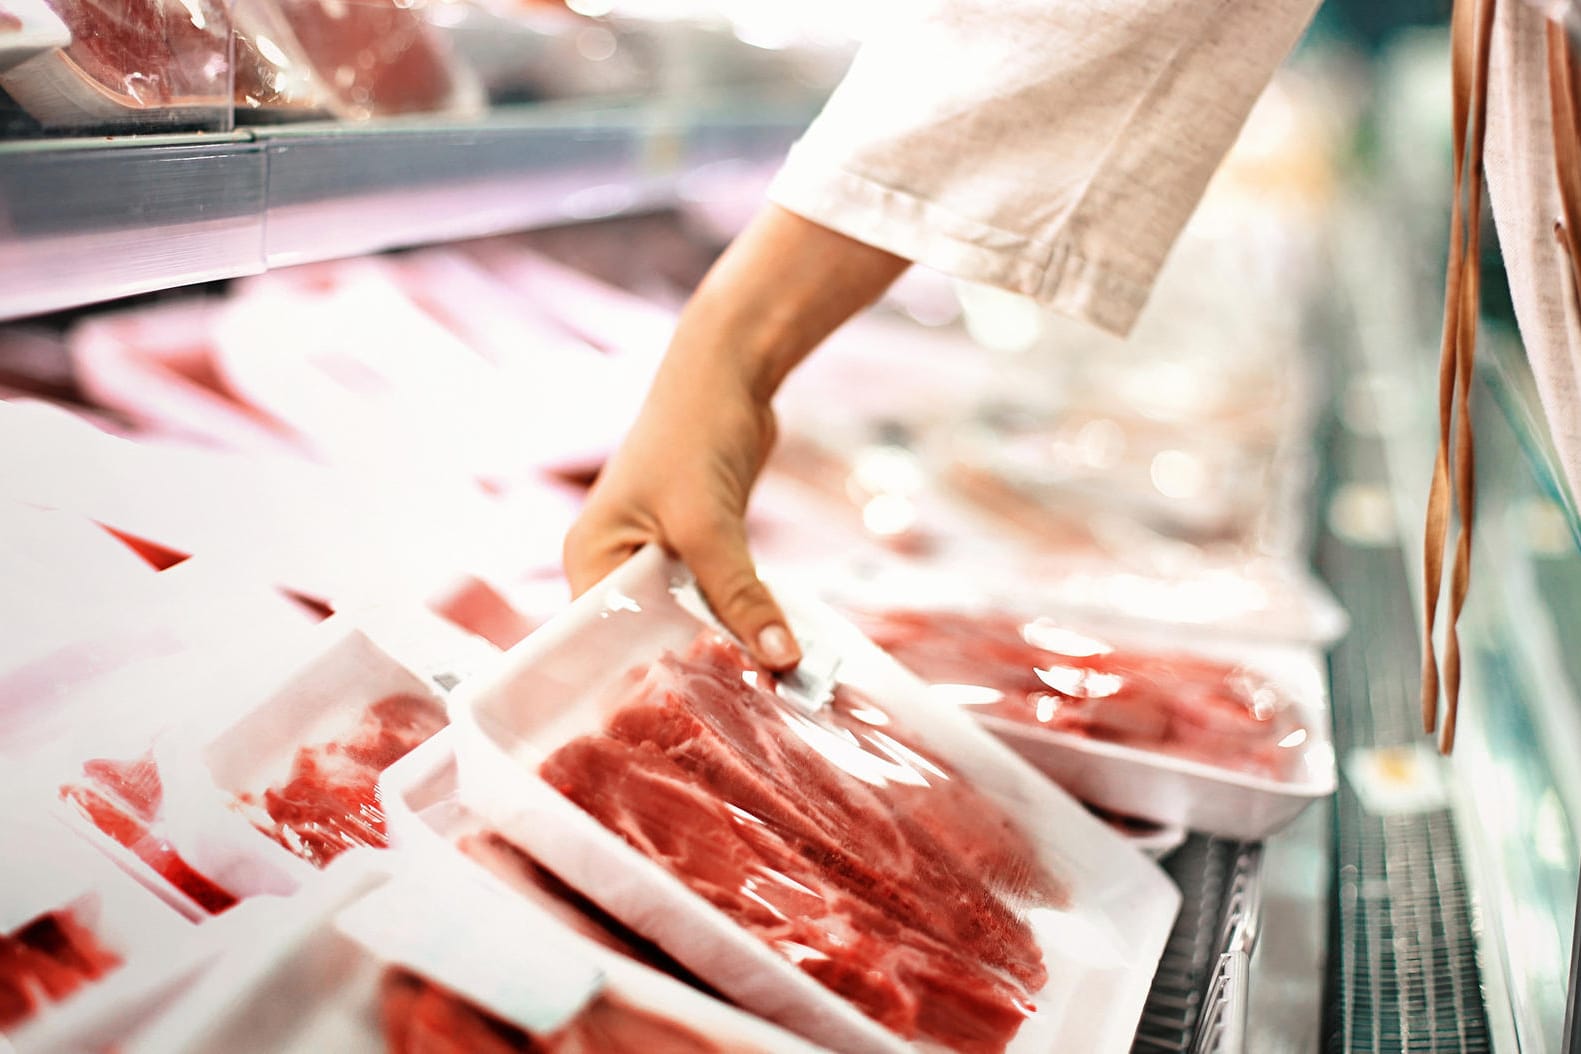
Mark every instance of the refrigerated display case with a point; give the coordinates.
(1450, 888)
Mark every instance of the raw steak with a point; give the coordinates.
(423, 1018)
(331, 802)
(832, 839)
(124, 799)
(44, 962)
(150, 53)
(1036, 672)
(368, 58)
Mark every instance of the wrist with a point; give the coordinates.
(780, 288)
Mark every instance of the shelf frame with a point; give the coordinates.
(87, 220)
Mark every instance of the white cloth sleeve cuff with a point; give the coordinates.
(926, 233)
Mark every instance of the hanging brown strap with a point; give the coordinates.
(1454, 479)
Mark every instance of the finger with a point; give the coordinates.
(717, 553)
(591, 551)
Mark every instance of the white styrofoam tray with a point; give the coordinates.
(421, 796)
(41, 30)
(315, 694)
(1101, 953)
(155, 945)
(1182, 792)
(1133, 781)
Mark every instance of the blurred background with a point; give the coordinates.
(338, 305)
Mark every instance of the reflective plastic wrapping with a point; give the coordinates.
(133, 66)
(1038, 672)
(877, 844)
(431, 956)
(72, 926)
(208, 819)
(832, 838)
(351, 59)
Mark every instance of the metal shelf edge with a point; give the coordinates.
(86, 221)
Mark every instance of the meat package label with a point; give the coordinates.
(480, 944)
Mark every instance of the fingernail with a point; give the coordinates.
(776, 646)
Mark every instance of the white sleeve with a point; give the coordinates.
(1052, 147)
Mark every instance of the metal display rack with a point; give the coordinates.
(85, 220)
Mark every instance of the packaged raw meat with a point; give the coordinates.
(344, 359)
(45, 960)
(125, 800)
(1048, 675)
(867, 873)
(621, 323)
(420, 1017)
(156, 366)
(435, 958)
(384, 533)
(330, 802)
(303, 765)
(147, 64)
(427, 817)
(90, 630)
(352, 59)
(1221, 736)
(278, 777)
(71, 927)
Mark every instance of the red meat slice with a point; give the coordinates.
(835, 840)
(377, 56)
(150, 52)
(1201, 709)
(330, 802)
(45, 961)
(124, 799)
(423, 1018)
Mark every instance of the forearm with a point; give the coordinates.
(685, 471)
(784, 285)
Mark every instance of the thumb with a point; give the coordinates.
(718, 556)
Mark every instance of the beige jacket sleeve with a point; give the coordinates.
(1051, 147)
(1524, 192)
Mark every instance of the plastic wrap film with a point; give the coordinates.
(145, 65)
(398, 952)
(125, 800)
(1224, 734)
(351, 59)
(869, 859)
(330, 803)
(78, 938)
(254, 798)
(819, 833)
(1039, 672)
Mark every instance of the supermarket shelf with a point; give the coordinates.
(89, 220)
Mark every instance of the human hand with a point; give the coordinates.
(682, 478)
(684, 473)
